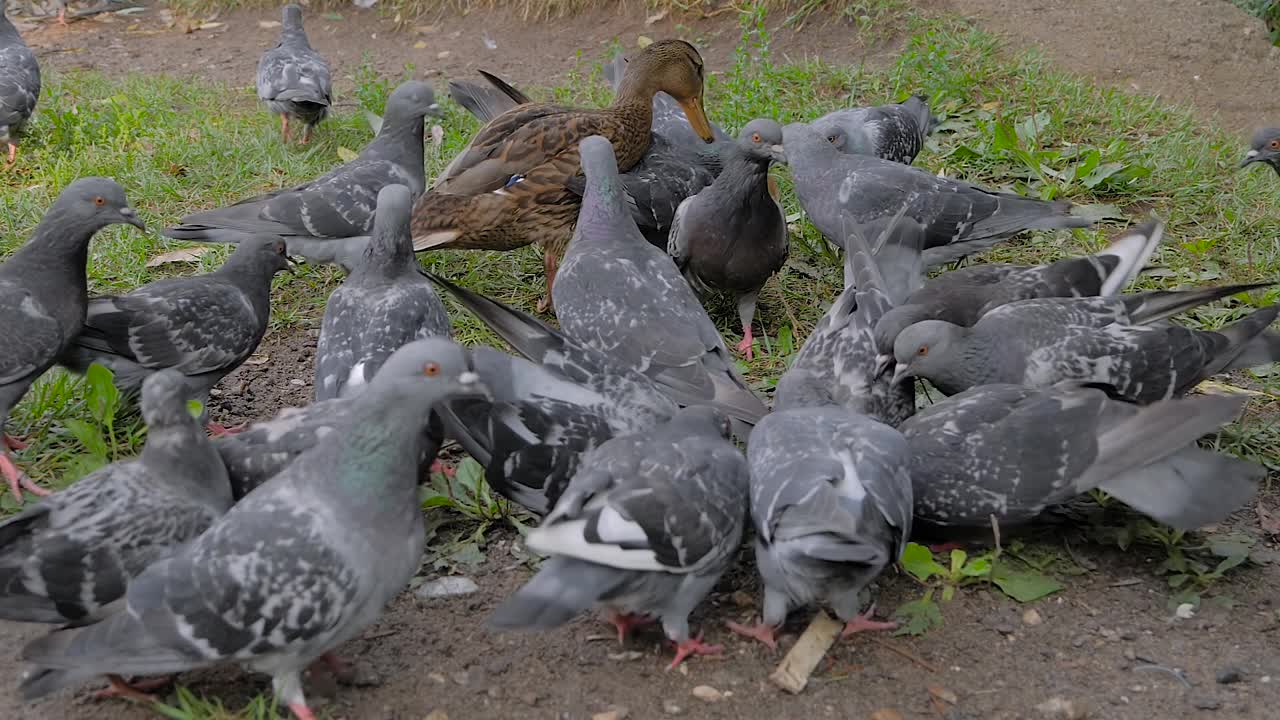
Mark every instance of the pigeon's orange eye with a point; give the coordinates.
(431, 369)
(1274, 144)
(755, 137)
(99, 200)
(924, 350)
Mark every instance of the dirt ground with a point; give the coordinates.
(1108, 645)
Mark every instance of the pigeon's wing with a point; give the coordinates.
(34, 335)
(260, 451)
(292, 74)
(19, 85)
(677, 239)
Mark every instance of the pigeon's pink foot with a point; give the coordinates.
(341, 670)
(744, 347)
(766, 634)
(284, 127)
(946, 547)
(62, 16)
(301, 711)
(18, 480)
(137, 691)
(691, 647)
(439, 466)
(13, 154)
(306, 135)
(12, 442)
(550, 264)
(626, 622)
(864, 623)
(218, 430)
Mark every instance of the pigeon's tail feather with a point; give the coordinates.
(304, 95)
(529, 336)
(1157, 305)
(936, 257)
(1261, 350)
(225, 225)
(1132, 249)
(1016, 213)
(1189, 489)
(563, 588)
(1240, 335)
(126, 375)
(893, 265)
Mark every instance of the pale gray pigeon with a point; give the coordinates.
(622, 296)
(962, 296)
(329, 219)
(1117, 342)
(841, 192)
(732, 235)
(894, 132)
(204, 325)
(285, 578)
(19, 84)
(68, 557)
(43, 294)
(548, 408)
(831, 505)
(383, 304)
(1010, 451)
(293, 80)
(1264, 147)
(646, 528)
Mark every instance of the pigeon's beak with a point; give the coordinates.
(132, 218)
(883, 363)
(698, 118)
(291, 265)
(778, 153)
(1250, 157)
(470, 383)
(901, 373)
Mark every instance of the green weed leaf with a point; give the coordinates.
(917, 560)
(103, 397)
(89, 435)
(918, 616)
(1024, 586)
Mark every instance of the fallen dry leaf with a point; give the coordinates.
(182, 255)
(886, 714)
(943, 694)
(656, 17)
(266, 24)
(419, 45)
(644, 41)
(346, 155)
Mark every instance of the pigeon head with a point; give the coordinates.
(1264, 148)
(599, 164)
(409, 103)
(892, 323)
(265, 252)
(924, 349)
(700, 420)
(761, 139)
(93, 203)
(801, 140)
(391, 237)
(291, 16)
(164, 398)
(430, 358)
(673, 67)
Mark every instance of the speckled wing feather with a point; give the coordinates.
(259, 452)
(34, 335)
(894, 132)
(19, 81)
(291, 74)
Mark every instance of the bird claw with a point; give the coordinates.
(12, 442)
(218, 430)
(744, 347)
(766, 634)
(439, 466)
(301, 711)
(18, 480)
(863, 623)
(136, 691)
(691, 647)
(626, 622)
(544, 304)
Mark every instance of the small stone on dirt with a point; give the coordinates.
(707, 693)
(626, 655)
(437, 715)
(886, 714)
(449, 586)
(1185, 611)
(1230, 674)
(1032, 617)
(619, 713)
(1058, 707)
(1204, 702)
(670, 707)
(943, 694)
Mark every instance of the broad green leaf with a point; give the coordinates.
(82, 465)
(89, 435)
(917, 560)
(1024, 586)
(1005, 138)
(103, 397)
(1087, 165)
(1228, 563)
(195, 407)
(470, 476)
(958, 557)
(1177, 581)
(978, 567)
(918, 616)
(948, 593)
(1101, 173)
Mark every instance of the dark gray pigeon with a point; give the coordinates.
(280, 581)
(646, 528)
(43, 294)
(841, 192)
(837, 365)
(66, 558)
(19, 84)
(894, 132)
(963, 295)
(1264, 148)
(384, 304)
(204, 325)
(329, 219)
(831, 504)
(622, 296)
(1115, 342)
(293, 80)
(733, 234)
(1011, 451)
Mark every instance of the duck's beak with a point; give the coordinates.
(1250, 157)
(698, 118)
(901, 373)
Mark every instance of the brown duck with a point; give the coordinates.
(507, 189)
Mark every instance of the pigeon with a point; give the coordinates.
(646, 528)
(622, 296)
(548, 408)
(831, 505)
(383, 304)
(1117, 342)
(733, 234)
(961, 296)
(43, 294)
(280, 581)
(837, 365)
(65, 559)
(329, 219)
(1263, 148)
(263, 449)
(204, 326)
(895, 132)
(293, 80)
(19, 84)
(1010, 451)
(841, 191)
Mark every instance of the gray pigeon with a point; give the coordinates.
(66, 558)
(283, 580)
(19, 84)
(1116, 342)
(1010, 451)
(894, 132)
(43, 293)
(265, 448)
(204, 326)
(1264, 148)
(383, 304)
(329, 219)
(841, 192)
(646, 528)
(733, 234)
(293, 80)
(831, 504)
(622, 296)
(962, 296)
(837, 365)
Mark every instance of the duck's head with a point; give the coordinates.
(673, 67)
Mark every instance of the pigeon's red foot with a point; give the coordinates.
(550, 265)
(12, 442)
(744, 347)
(13, 154)
(864, 623)
(138, 691)
(18, 480)
(945, 547)
(439, 466)
(62, 16)
(341, 670)
(691, 647)
(766, 634)
(218, 430)
(284, 127)
(301, 711)
(626, 622)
